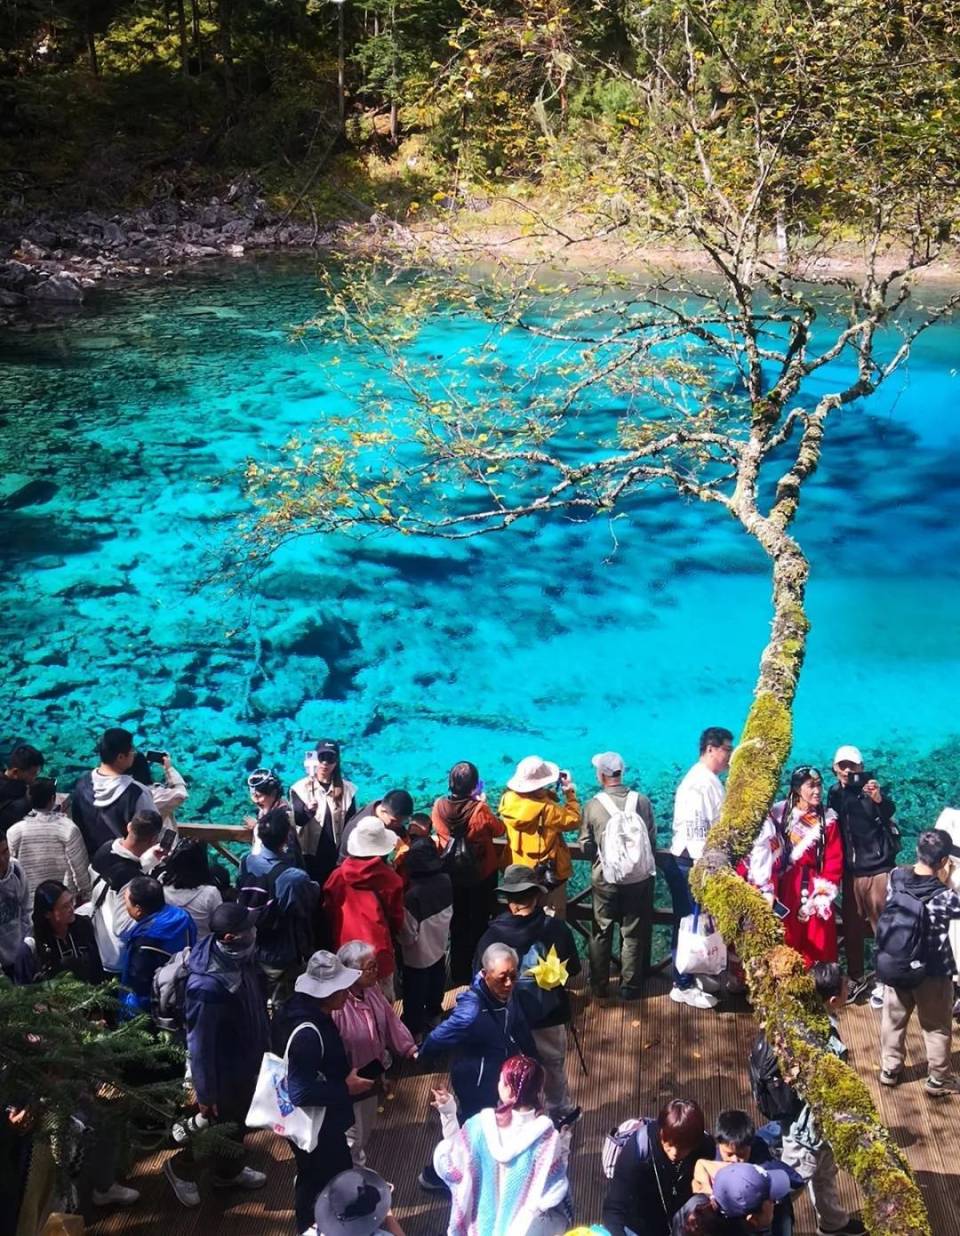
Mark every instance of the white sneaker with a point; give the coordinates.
(187, 1192)
(707, 983)
(116, 1195)
(310, 1231)
(693, 996)
(876, 996)
(247, 1179)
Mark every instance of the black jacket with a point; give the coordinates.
(14, 804)
(870, 838)
(643, 1173)
(521, 932)
(117, 870)
(97, 823)
(317, 1072)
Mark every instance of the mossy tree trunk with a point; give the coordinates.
(781, 991)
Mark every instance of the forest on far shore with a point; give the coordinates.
(113, 103)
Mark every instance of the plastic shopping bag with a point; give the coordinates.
(700, 947)
(271, 1107)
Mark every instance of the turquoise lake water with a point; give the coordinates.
(124, 433)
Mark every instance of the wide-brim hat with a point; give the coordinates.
(520, 879)
(355, 1203)
(533, 773)
(326, 974)
(371, 839)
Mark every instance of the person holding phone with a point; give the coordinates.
(797, 863)
(871, 841)
(373, 1035)
(536, 819)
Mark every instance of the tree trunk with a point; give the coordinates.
(225, 41)
(182, 34)
(92, 52)
(780, 988)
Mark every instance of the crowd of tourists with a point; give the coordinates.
(327, 956)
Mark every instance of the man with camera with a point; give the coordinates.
(871, 841)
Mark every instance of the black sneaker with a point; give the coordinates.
(890, 1078)
(856, 988)
(630, 993)
(430, 1181)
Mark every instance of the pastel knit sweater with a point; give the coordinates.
(502, 1179)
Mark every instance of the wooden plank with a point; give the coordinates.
(639, 1055)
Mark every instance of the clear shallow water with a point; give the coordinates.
(124, 433)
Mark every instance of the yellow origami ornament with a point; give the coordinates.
(550, 971)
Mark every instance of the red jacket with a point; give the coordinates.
(363, 900)
(481, 824)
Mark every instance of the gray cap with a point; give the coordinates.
(609, 763)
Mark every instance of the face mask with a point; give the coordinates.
(240, 949)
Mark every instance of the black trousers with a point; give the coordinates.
(472, 910)
(423, 994)
(315, 1169)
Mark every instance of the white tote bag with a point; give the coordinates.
(700, 947)
(271, 1107)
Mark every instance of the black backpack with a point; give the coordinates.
(259, 894)
(461, 859)
(901, 935)
(776, 1098)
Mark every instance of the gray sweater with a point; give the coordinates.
(15, 917)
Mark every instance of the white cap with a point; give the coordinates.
(851, 754)
(609, 763)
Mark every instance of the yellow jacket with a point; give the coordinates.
(535, 826)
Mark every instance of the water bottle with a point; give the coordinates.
(183, 1130)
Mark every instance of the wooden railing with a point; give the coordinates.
(579, 906)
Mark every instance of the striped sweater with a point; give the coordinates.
(48, 846)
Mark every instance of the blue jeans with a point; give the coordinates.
(676, 872)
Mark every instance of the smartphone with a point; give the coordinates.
(168, 839)
(155, 757)
(780, 910)
(371, 1071)
(568, 1119)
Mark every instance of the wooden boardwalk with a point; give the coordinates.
(638, 1054)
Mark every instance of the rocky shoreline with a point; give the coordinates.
(53, 261)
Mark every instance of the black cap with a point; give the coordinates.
(328, 746)
(232, 919)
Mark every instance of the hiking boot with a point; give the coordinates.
(186, 1190)
(852, 1227)
(856, 988)
(599, 991)
(116, 1195)
(693, 996)
(938, 1086)
(891, 1077)
(630, 993)
(876, 996)
(247, 1179)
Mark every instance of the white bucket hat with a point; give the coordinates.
(533, 773)
(326, 974)
(371, 839)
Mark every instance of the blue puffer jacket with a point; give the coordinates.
(227, 1027)
(148, 945)
(482, 1032)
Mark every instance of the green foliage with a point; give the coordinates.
(58, 1057)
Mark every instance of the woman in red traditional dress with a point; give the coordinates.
(797, 860)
